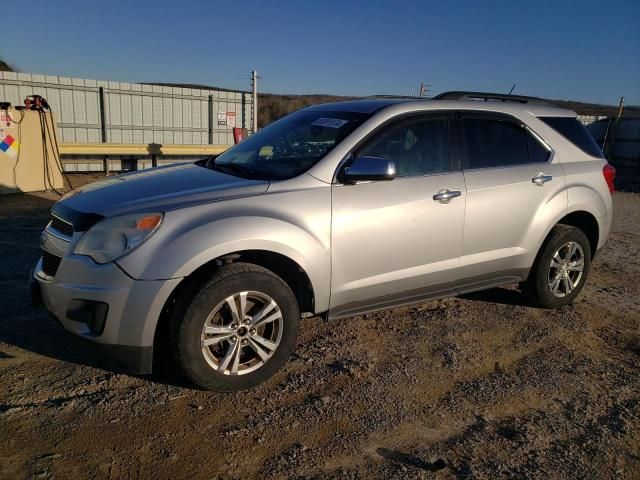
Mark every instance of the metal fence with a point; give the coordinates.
(119, 112)
(621, 141)
(623, 138)
(589, 119)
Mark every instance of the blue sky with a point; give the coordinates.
(587, 50)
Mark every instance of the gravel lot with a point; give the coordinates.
(478, 387)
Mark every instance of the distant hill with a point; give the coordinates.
(582, 108)
(274, 106)
(5, 67)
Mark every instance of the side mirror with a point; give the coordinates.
(363, 169)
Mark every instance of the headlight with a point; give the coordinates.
(112, 238)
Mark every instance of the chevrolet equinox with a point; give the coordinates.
(332, 211)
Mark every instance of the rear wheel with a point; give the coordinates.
(561, 268)
(238, 330)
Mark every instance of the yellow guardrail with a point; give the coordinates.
(139, 149)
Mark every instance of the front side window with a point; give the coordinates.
(288, 147)
(417, 146)
(497, 143)
(538, 153)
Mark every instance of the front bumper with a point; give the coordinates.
(126, 336)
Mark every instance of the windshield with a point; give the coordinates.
(288, 147)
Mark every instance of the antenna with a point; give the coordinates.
(511, 91)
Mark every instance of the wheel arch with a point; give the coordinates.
(587, 223)
(581, 219)
(285, 267)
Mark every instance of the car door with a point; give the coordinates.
(392, 242)
(511, 179)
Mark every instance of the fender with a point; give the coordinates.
(589, 192)
(552, 219)
(545, 218)
(192, 237)
(588, 199)
(584, 200)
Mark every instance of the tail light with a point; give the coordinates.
(609, 173)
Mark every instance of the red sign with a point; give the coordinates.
(239, 134)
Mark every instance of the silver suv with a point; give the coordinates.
(332, 211)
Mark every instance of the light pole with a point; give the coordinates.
(254, 91)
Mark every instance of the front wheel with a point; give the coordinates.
(561, 268)
(238, 330)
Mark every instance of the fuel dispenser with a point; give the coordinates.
(29, 155)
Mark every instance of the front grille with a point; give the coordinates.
(50, 263)
(61, 226)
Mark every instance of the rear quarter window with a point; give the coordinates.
(575, 132)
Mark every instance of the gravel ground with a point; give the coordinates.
(476, 387)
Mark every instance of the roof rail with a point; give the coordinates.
(484, 96)
(397, 96)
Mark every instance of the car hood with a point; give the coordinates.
(162, 188)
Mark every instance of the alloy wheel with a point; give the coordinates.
(241, 333)
(566, 269)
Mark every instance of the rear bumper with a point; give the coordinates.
(604, 225)
(127, 325)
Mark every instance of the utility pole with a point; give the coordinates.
(424, 89)
(608, 153)
(254, 91)
(620, 108)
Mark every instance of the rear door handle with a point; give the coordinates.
(540, 179)
(445, 195)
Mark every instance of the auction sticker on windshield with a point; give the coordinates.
(330, 122)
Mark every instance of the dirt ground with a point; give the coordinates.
(477, 387)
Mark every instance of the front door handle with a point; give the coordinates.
(540, 179)
(445, 195)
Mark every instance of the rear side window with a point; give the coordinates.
(575, 132)
(493, 142)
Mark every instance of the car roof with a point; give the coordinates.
(367, 105)
(373, 105)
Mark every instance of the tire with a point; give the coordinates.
(546, 286)
(218, 350)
